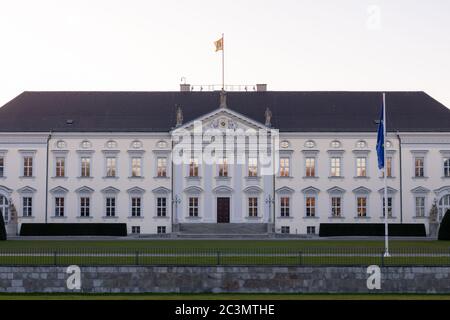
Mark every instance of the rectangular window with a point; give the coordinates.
(59, 207)
(336, 206)
(361, 166)
(419, 166)
(335, 167)
(310, 206)
(27, 206)
(161, 229)
(420, 206)
(285, 229)
(193, 207)
(252, 167)
(85, 167)
(223, 167)
(60, 167)
(162, 167)
(252, 207)
(311, 230)
(389, 208)
(136, 206)
(161, 207)
(193, 167)
(27, 166)
(110, 206)
(136, 167)
(85, 206)
(111, 166)
(284, 206)
(2, 166)
(389, 166)
(135, 229)
(446, 168)
(284, 167)
(310, 167)
(361, 206)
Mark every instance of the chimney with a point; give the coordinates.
(261, 87)
(185, 87)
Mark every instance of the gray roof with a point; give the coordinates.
(155, 111)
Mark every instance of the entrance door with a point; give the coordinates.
(223, 210)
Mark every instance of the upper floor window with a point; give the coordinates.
(27, 166)
(136, 144)
(446, 167)
(252, 166)
(310, 167)
(223, 167)
(85, 206)
(284, 206)
(27, 206)
(111, 144)
(361, 166)
(2, 166)
(85, 167)
(193, 167)
(388, 167)
(335, 144)
(161, 167)
(136, 167)
(388, 144)
(86, 144)
(284, 167)
(284, 144)
(111, 166)
(252, 207)
(419, 166)
(60, 167)
(361, 144)
(335, 167)
(161, 206)
(60, 144)
(310, 144)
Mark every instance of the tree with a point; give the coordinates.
(444, 229)
(2, 228)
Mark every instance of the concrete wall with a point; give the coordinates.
(226, 279)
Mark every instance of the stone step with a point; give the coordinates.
(223, 228)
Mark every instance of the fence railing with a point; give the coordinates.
(224, 256)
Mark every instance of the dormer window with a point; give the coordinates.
(162, 144)
(388, 144)
(361, 144)
(111, 144)
(284, 144)
(335, 144)
(60, 144)
(86, 144)
(310, 144)
(136, 144)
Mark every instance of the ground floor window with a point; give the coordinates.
(161, 229)
(336, 207)
(389, 206)
(252, 207)
(193, 207)
(27, 206)
(85, 206)
(284, 206)
(59, 207)
(161, 207)
(110, 206)
(136, 206)
(361, 206)
(310, 206)
(285, 229)
(135, 230)
(420, 206)
(311, 230)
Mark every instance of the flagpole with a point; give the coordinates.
(386, 228)
(223, 62)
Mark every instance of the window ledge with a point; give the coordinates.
(253, 218)
(161, 177)
(55, 217)
(420, 217)
(445, 177)
(223, 178)
(161, 217)
(358, 217)
(252, 178)
(196, 178)
(361, 177)
(312, 177)
(110, 217)
(136, 178)
(27, 217)
(419, 178)
(88, 178)
(27, 177)
(89, 217)
(390, 177)
(311, 217)
(193, 218)
(336, 177)
(62, 178)
(2, 177)
(335, 217)
(135, 217)
(389, 218)
(110, 177)
(285, 217)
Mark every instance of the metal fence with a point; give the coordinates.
(223, 256)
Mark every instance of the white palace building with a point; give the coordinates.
(140, 159)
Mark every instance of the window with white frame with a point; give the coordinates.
(335, 144)
(136, 144)
(419, 166)
(420, 206)
(336, 206)
(361, 166)
(161, 229)
(311, 230)
(389, 207)
(85, 167)
(60, 144)
(310, 167)
(27, 206)
(27, 166)
(193, 167)
(59, 206)
(2, 166)
(110, 206)
(136, 206)
(252, 206)
(284, 206)
(60, 167)
(361, 144)
(446, 168)
(135, 229)
(388, 167)
(161, 206)
(111, 144)
(284, 167)
(285, 229)
(193, 206)
(252, 166)
(85, 206)
(310, 206)
(161, 169)
(86, 144)
(335, 166)
(223, 167)
(310, 144)
(111, 167)
(361, 206)
(136, 166)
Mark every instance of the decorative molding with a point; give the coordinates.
(361, 190)
(161, 190)
(58, 190)
(420, 190)
(253, 189)
(390, 190)
(310, 190)
(110, 189)
(136, 190)
(84, 189)
(336, 189)
(285, 190)
(26, 189)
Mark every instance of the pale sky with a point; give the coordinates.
(149, 45)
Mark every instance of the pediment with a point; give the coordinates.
(420, 190)
(5, 190)
(389, 190)
(84, 189)
(361, 190)
(26, 189)
(253, 189)
(161, 190)
(193, 190)
(135, 190)
(223, 189)
(335, 189)
(310, 190)
(59, 189)
(285, 190)
(110, 190)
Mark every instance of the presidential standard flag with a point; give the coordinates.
(219, 44)
(380, 140)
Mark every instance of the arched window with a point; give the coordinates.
(111, 144)
(310, 144)
(86, 144)
(361, 144)
(60, 144)
(335, 144)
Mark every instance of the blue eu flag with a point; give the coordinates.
(380, 141)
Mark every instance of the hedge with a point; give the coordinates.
(74, 229)
(371, 229)
(444, 228)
